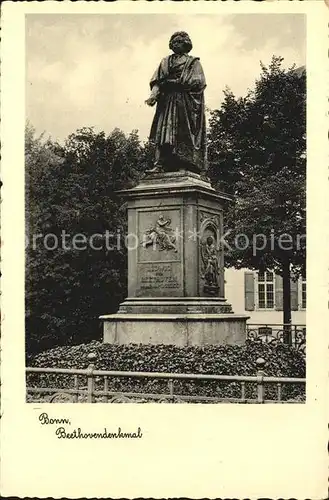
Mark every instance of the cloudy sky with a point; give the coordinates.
(94, 70)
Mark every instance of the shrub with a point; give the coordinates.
(281, 360)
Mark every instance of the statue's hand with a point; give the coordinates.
(151, 101)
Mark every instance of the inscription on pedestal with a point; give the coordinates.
(158, 276)
(159, 279)
(159, 257)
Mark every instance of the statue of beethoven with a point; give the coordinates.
(179, 129)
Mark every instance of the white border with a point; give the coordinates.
(188, 450)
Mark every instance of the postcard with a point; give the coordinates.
(164, 257)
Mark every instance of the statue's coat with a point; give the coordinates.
(179, 126)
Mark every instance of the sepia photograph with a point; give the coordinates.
(164, 260)
(165, 202)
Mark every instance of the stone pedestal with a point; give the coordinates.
(175, 266)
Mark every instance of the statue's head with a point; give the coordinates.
(210, 241)
(180, 43)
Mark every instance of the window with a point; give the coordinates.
(265, 290)
(303, 304)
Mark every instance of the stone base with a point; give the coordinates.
(176, 329)
(175, 305)
(175, 266)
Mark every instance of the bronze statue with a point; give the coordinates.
(179, 128)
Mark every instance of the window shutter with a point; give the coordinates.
(294, 295)
(278, 293)
(249, 291)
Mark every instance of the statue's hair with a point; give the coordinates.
(187, 41)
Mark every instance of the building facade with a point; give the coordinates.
(260, 296)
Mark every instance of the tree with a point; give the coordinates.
(74, 277)
(41, 163)
(257, 152)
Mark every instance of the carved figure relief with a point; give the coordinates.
(210, 275)
(160, 236)
(210, 270)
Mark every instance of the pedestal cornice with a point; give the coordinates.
(171, 183)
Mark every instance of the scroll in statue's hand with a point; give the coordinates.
(151, 101)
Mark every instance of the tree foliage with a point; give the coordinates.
(257, 153)
(72, 188)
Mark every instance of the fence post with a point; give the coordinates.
(90, 383)
(76, 388)
(260, 362)
(92, 356)
(171, 388)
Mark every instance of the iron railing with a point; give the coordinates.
(274, 333)
(247, 389)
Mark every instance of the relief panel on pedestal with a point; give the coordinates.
(209, 256)
(159, 265)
